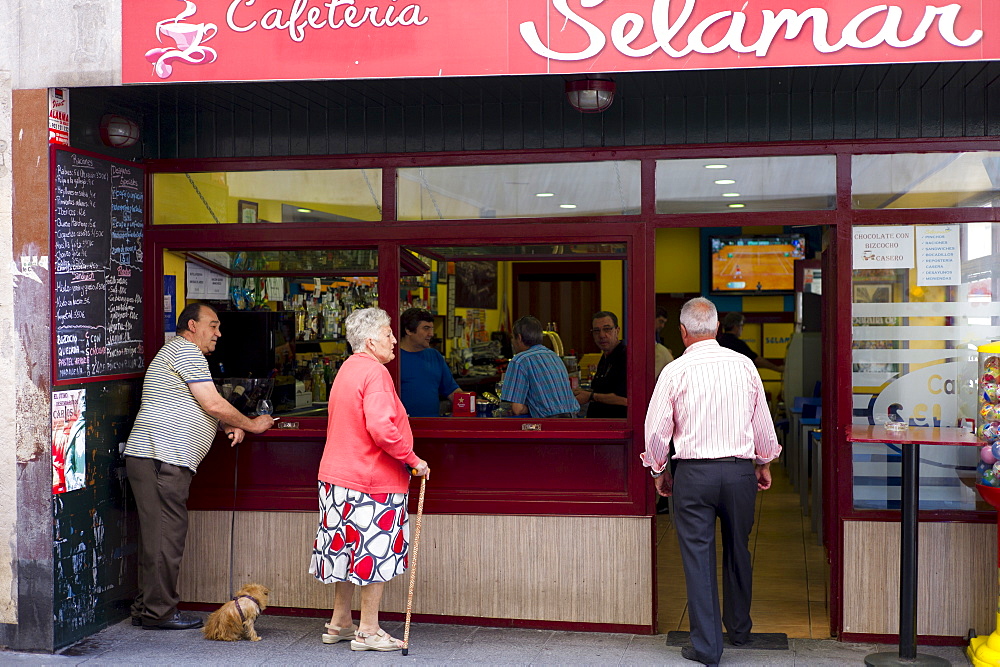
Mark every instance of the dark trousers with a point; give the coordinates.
(703, 491)
(161, 493)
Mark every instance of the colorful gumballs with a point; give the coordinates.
(989, 477)
(987, 378)
(986, 454)
(983, 431)
(992, 365)
(990, 393)
(981, 468)
(989, 412)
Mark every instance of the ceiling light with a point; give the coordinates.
(567, 205)
(716, 166)
(590, 95)
(304, 210)
(730, 194)
(725, 181)
(546, 194)
(737, 205)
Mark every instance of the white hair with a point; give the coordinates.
(364, 324)
(699, 317)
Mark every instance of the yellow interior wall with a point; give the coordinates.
(612, 292)
(678, 260)
(173, 265)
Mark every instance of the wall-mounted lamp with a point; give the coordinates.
(118, 131)
(590, 95)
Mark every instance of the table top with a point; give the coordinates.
(914, 435)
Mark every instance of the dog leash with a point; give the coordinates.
(232, 524)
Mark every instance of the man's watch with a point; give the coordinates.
(655, 474)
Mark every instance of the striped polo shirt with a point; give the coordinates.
(171, 425)
(711, 402)
(537, 378)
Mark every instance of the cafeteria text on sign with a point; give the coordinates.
(252, 40)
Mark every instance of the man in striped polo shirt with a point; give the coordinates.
(178, 418)
(536, 382)
(711, 402)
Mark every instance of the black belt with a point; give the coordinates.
(724, 459)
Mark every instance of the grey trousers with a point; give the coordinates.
(705, 490)
(161, 493)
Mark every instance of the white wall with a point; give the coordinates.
(43, 44)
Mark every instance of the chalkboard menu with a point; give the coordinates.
(97, 213)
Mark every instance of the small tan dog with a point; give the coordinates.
(234, 620)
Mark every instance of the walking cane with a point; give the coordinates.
(413, 563)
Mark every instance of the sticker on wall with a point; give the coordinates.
(883, 247)
(69, 447)
(939, 259)
(59, 116)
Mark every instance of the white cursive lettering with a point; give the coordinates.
(300, 17)
(627, 27)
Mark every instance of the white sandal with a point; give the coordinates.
(380, 641)
(336, 634)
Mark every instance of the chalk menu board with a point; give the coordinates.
(97, 216)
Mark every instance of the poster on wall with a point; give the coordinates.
(939, 258)
(69, 446)
(476, 284)
(883, 247)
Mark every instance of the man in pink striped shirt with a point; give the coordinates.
(711, 402)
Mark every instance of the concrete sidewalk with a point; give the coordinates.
(296, 641)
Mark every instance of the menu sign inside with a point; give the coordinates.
(97, 213)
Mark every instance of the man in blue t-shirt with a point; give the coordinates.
(424, 375)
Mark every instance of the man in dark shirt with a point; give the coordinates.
(608, 396)
(732, 329)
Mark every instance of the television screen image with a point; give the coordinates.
(755, 264)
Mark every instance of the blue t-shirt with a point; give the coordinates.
(425, 379)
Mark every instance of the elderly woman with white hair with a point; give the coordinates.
(363, 536)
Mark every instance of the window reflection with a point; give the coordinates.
(316, 195)
(925, 180)
(915, 333)
(518, 190)
(462, 310)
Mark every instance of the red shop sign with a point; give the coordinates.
(254, 40)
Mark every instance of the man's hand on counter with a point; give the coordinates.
(261, 423)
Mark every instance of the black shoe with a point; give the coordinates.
(689, 653)
(176, 622)
(744, 642)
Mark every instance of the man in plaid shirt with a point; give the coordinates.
(536, 382)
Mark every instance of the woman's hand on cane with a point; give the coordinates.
(421, 469)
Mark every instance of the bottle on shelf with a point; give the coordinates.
(238, 398)
(318, 384)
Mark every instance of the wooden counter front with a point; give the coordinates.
(569, 467)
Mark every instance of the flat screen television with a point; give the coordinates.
(755, 264)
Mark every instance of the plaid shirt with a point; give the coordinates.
(538, 378)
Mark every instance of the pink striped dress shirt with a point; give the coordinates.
(711, 402)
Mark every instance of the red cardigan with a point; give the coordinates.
(368, 437)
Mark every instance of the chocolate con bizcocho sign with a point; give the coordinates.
(249, 40)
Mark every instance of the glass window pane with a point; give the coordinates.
(518, 191)
(319, 196)
(915, 335)
(925, 180)
(473, 295)
(778, 183)
(282, 317)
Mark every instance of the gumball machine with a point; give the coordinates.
(984, 651)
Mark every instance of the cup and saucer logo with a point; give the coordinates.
(187, 39)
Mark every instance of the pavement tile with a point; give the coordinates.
(611, 641)
(578, 654)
